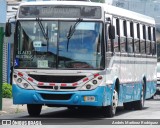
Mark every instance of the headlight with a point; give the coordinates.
(94, 81)
(19, 80)
(88, 86)
(22, 83)
(92, 84)
(25, 85)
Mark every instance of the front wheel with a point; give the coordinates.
(34, 109)
(72, 108)
(110, 111)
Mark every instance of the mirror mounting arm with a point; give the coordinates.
(8, 27)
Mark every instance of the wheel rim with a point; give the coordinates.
(115, 101)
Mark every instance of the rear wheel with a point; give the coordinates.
(138, 105)
(128, 105)
(34, 109)
(110, 111)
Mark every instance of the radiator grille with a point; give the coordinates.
(56, 79)
(56, 96)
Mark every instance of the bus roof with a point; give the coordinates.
(109, 9)
(62, 3)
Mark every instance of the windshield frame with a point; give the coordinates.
(102, 63)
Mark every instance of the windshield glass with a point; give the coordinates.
(81, 50)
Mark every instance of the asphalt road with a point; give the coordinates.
(63, 116)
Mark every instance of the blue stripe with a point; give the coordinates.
(34, 97)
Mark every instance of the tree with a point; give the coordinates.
(99, 1)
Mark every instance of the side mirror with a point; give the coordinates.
(111, 30)
(8, 29)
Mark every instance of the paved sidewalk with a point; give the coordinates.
(9, 108)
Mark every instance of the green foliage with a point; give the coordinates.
(99, 1)
(6, 91)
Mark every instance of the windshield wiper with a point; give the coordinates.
(45, 34)
(72, 30)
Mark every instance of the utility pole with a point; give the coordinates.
(1, 64)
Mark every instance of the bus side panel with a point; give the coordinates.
(127, 77)
(151, 77)
(137, 90)
(151, 89)
(121, 94)
(128, 92)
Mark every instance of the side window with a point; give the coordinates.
(154, 34)
(116, 40)
(147, 40)
(125, 27)
(108, 43)
(123, 36)
(144, 32)
(131, 30)
(142, 40)
(149, 33)
(118, 27)
(108, 40)
(144, 36)
(153, 42)
(136, 38)
(138, 30)
(129, 37)
(141, 31)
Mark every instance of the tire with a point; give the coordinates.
(110, 111)
(34, 109)
(72, 108)
(128, 106)
(138, 105)
(151, 98)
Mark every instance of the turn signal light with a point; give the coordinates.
(89, 98)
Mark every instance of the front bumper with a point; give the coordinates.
(62, 98)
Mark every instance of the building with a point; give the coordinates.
(146, 7)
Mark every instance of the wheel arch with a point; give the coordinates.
(116, 84)
(144, 81)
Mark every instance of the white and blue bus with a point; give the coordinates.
(78, 54)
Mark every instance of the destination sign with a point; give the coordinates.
(60, 11)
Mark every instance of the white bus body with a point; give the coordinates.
(120, 70)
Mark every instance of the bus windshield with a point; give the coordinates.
(83, 50)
